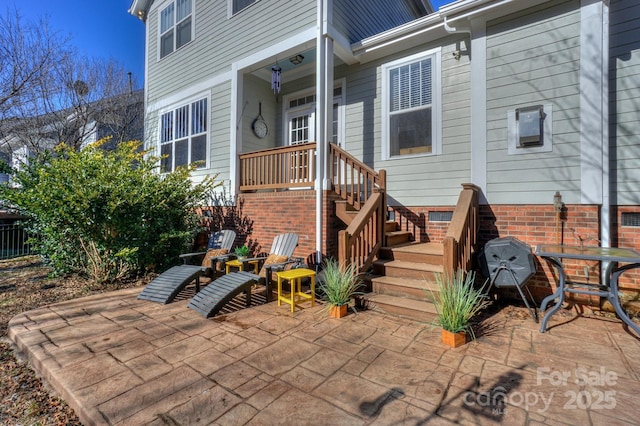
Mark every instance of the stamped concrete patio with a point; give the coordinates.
(117, 360)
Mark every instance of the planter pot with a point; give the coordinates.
(454, 339)
(337, 311)
(241, 258)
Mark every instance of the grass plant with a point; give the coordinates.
(458, 301)
(242, 251)
(341, 282)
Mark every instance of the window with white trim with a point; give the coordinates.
(238, 5)
(183, 136)
(300, 118)
(411, 106)
(176, 26)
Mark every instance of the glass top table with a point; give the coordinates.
(613, 256)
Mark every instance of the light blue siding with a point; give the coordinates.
(534, 58)
(624, 101)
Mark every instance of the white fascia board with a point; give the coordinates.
(139, 8)
(414, 32)
(291, 45)
(189, 92)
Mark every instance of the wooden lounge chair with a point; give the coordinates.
(218, 293)
(170, 283)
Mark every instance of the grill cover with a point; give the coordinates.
(505, 258)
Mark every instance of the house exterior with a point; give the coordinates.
(531, 101)
(120, 117)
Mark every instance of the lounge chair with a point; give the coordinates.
(221, 291)
(169, 284)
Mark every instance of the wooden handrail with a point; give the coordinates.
(460, 241)
(278, 168)
(353, 180)
(361, 186)
(363, 238)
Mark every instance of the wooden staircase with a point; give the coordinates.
(403, 278)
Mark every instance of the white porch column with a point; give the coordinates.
(324, 113)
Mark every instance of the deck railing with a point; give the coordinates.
(279, 168)
(360, 242)
(361, 187)
(353, 180)
(13, 242)
(460, 240)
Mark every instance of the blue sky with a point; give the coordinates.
(99, 28)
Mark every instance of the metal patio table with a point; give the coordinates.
(609, 289)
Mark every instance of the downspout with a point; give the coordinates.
(605, 222)
(454, 30)
(320, 131)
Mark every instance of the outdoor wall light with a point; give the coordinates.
(296, 60)
(530, 125)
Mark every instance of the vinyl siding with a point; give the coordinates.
(358, 19)
(533, 57)
(624, 101)
(414, 181)
(219, 40)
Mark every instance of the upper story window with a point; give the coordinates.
(183, 136)
(412, 106)
(238, 5)
(176, 26)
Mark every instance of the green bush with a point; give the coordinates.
(106, 214)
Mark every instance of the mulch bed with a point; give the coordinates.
(24, 285)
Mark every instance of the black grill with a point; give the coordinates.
(508, 262)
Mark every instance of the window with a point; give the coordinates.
(175, 26)
(411, 115)
(183, 136)
(300, 118)
(238, 5)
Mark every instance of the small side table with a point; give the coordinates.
(235, 263)
(296, 296)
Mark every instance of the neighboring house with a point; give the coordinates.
(521, 98)
(120, 117)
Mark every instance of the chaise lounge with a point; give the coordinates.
(170, 283)
(218, 293)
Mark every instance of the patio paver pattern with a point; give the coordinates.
(120, 361)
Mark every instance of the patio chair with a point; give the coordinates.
(221, 291)
(169, 284)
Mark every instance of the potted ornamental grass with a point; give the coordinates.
(339, 284)
(457, 302)
(241, 252)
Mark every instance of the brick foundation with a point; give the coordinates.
(272, 213)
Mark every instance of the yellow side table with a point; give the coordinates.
(235, 263)
(296, 296)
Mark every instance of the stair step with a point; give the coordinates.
(416, 289)
(390, 226)
(403, 269)
(408, 308)
(398, 237)
(414, 252)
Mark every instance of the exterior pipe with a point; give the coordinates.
(453, 30)
(320, 132)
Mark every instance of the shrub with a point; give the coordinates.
(106, 214)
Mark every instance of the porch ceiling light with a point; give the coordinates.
(296, 60)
